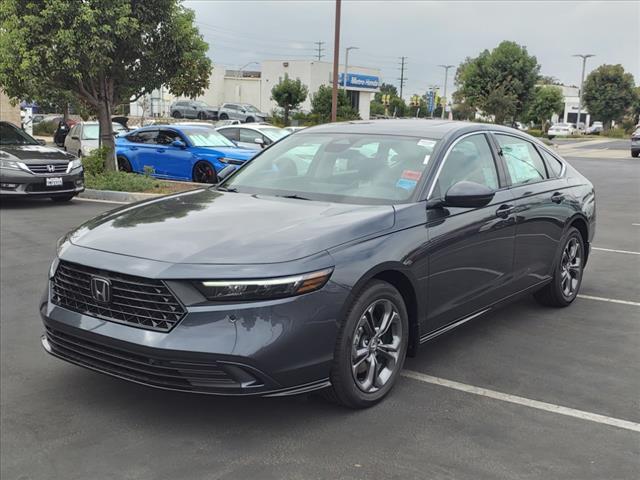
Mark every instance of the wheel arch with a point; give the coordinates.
(581, 224)
(406, 284)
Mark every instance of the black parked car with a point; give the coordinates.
(28, 168)
(323, 262)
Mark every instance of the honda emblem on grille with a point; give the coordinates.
(51, 168)
(101, 289)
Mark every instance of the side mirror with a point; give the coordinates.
(259, 141)
(225, 172)
(178, 144)
(41, 141)
(468, 195)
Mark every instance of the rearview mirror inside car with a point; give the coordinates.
(466, 194)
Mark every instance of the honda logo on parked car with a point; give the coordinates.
(51, 168)
(101, 289)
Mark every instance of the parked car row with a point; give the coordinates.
(243, 112)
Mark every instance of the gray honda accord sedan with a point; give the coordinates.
(323, 262)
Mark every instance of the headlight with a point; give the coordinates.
(73, 164)
(11, 165)
(263, 289)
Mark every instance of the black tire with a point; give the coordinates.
(250, 120)
(203, 172)
(550, 137)
(224, 116)
(123, 164)
(555, 293)
(635, 153)
(176, 114)
(63, 198)
(346, 388)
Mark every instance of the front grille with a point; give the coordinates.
(150, 370)
(136, 301)
(41, 187)
(44, 167)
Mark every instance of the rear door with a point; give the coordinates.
(147, 155)
(471, 249)
(541, 209)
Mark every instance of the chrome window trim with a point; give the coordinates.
(446, 157)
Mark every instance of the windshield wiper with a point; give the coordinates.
(296, 197)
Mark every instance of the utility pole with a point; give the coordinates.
(346, 65)
(336, 57)
(584, 62)
(444, 94)
(402, 78)
(320, 50)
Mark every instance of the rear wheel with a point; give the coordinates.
(176, 114)
(250, 120)
(63, 198)
(203, 172)
(635, 153)
(224, 116)
(370, 348)
(123, 164)
(567, 277)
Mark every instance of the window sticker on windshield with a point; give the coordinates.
(411, 175)
(425, 142)
(426, 159)
(406, 184)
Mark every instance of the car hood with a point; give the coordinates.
(213, 227)
(32, 153)
(231, 152)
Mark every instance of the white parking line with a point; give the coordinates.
(611, 300)
(527, 402)
(615, 251)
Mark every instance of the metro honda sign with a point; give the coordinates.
(357, 80)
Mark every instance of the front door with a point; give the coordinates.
(172, 162)
(471, 249)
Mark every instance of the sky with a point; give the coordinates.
(427, 33)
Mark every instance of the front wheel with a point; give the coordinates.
(224, 116)
(567, 278)
(370, 348)
(203, 172)
(635, 153)
(176, 114)
(250, 120)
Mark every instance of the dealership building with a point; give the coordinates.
(254, 86)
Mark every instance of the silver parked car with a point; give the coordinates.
(82, 139)
(241, 111)
(193, 109)
(254, 136)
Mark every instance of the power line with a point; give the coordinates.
(402, 77)
(320, 50)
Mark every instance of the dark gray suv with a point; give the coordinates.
(193, 109)
(321, 263)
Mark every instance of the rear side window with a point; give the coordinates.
(553, 164)
(148, 136)
(231, 133)
(523, 161)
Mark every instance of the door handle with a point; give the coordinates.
(133, 148)
(557, 197)
(504, 211)
(160, 150)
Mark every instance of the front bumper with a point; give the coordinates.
(19, 183)
(268, 348)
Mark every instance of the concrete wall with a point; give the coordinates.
(8, 112)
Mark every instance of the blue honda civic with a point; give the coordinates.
(193, 153)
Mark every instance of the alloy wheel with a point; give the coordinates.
(571, 267)
(376, 345)
(204, 173)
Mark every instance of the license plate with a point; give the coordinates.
(53, 182)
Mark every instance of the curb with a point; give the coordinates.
(112, 196)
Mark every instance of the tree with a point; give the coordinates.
(608, 92)
(385, 89)
(289, 94)
(498, 82)
(546, 101)
(321, 105)
(101, 52)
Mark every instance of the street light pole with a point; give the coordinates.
(336, 55)
(346, 65)
(446, 73)
(584, 62)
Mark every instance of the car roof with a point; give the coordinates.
(174, 127)
(427, 128)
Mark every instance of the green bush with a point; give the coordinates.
(615, 132)
(535, 132)
(94, 162)
(45, 128)
(122, 182)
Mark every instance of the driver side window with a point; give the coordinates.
(470, 160)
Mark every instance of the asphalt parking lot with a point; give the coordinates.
(525, 393)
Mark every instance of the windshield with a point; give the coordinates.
(343, 168)
(275, 133)
(250, 108)
(207, 137)
(200, 104)
(10, 135)
(91, 131)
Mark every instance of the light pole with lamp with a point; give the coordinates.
(584, 62)
(444, 94)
